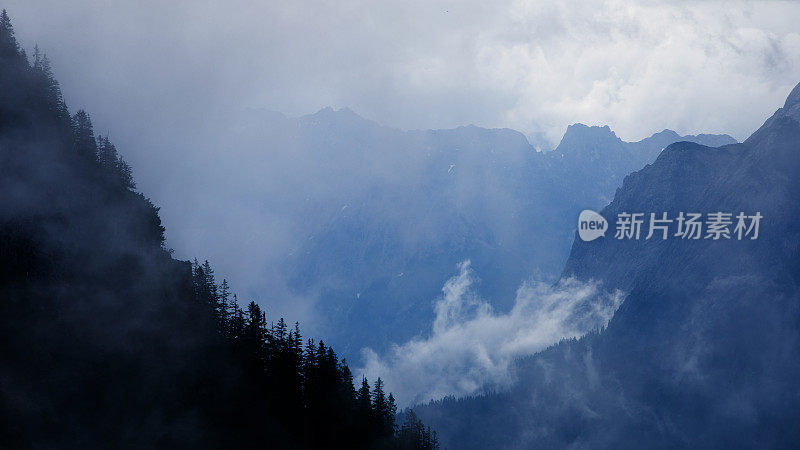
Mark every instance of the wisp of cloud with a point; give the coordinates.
(471, 347)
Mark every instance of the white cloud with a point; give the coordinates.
(471, 347)
(644, 66)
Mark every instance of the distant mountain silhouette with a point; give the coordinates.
(387, 215)
(704, 351)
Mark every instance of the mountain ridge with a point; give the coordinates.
(705, 349)
(576, 129)
(447, 184)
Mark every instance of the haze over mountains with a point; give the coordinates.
(705, 349)
(371, 220)
(442, 263)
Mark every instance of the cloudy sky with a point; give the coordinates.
(534, 66)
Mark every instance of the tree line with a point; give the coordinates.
(306, 377)
(109, 342)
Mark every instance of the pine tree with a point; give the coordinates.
(389, 414)
(209, 288)
(124, 174)
(296, 349)
(237, 319)
(9, 48)
(426, 438)
(55, 100)
(363, 399)
(224, 312)
(409, 432)
(255, 324)
(37, 58)
(322, 359)
(346, 381)
(379, 399)
(84, 144)
(106, 154)
(280, 332)
(297, 339)
(310, 357)
(117, 170)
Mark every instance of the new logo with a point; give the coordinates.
(591, 225)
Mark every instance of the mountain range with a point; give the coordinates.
(382, 217)
(109, 341)
(705, 349)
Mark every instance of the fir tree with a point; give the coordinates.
(363, 398)
(54, 98)
(106, 154)
(85, 144)
(224, 312)
(379, 399)
(255, 325)
(124, 174)
(9, 48)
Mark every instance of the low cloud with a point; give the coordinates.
(471, 347)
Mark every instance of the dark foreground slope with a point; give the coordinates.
(108, 342)
(705, 350)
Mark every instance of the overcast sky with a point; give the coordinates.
(532, 66)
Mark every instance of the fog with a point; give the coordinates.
(170, 83)
(470, 347)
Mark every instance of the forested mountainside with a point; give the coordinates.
(705, 350)
(383, 217)
(106, 341)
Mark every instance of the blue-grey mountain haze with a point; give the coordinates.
(291, 206)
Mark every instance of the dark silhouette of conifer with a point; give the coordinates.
(9, 48)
